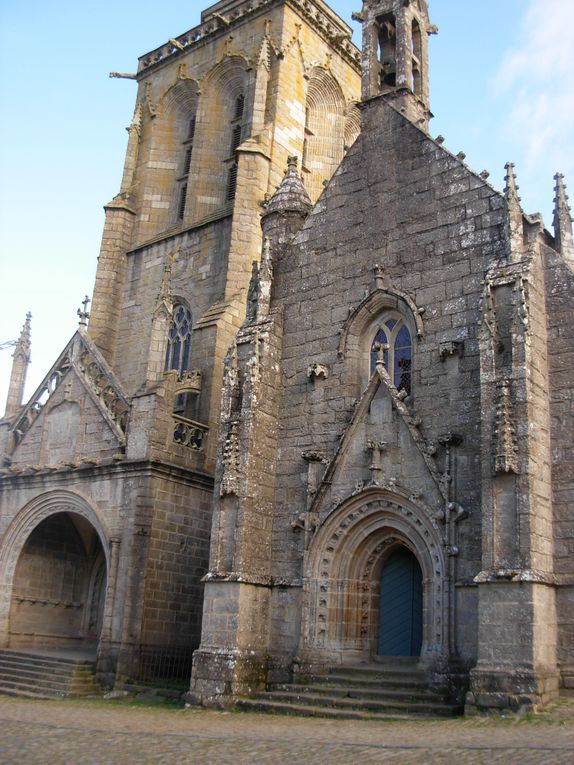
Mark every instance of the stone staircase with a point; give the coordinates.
(33, 675)
(376, 691)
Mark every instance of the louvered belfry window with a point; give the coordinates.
(185, 168)
(236, 135)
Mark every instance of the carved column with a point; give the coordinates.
(232, 658)
(107, 651)
(516, 666)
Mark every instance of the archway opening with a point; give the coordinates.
(401, 605)
(59, 586)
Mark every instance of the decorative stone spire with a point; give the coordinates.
(291, 195)
(563, 221)
(515, 214)
(265, 281)
(21, 359)
(505, 445)
(165, 298)
(160, 324)
(511, 187)
(134, 132)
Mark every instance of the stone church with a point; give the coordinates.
(322, 412)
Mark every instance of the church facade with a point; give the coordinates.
(319, 416)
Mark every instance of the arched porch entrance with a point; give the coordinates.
(54, 564)
(59, 585)
(375, 583)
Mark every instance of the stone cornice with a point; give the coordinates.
(315, 12)
(255, 580)
(30, 476)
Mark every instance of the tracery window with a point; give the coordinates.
(177, 357)
(393, 340)
(179, 340)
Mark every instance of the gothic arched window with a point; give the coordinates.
(179, 340)
(393, 340)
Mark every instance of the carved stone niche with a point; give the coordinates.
(450, 439)
(317, 372)
(189, 382)
(451, 348)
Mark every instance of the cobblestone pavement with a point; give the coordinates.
(117, 733)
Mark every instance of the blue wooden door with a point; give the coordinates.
(401, 606)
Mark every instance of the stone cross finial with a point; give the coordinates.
(379, 277)
(292, 163)
(85, 314)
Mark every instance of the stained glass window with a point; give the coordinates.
(393, 340)
(179, 340)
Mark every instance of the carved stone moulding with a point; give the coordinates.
(317, 372)
(190, 382)
(451, 348)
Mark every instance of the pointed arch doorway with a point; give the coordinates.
(400, 605)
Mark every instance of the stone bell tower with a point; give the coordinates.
(395, 55)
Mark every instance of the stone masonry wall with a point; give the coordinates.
(177, 561)
(70, 428)
(402, 201)
(560, 304)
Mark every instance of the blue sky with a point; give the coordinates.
(501, 89)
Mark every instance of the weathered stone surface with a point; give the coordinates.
(369, 354)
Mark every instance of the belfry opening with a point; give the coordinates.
(59, 586)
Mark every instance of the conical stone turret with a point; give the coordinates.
(288, 207)
(291, 195)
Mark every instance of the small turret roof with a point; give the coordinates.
(291, 195)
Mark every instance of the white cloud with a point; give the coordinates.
(536, 79)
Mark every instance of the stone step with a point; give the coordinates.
(12, 687)
(36, 676)
(309, 698)
(377, 680)
(382, 693)
(56, 670)
(306, 710)
(24, 674)
(381, 690)
(27, 694)
(46, 680)
(10, 656)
